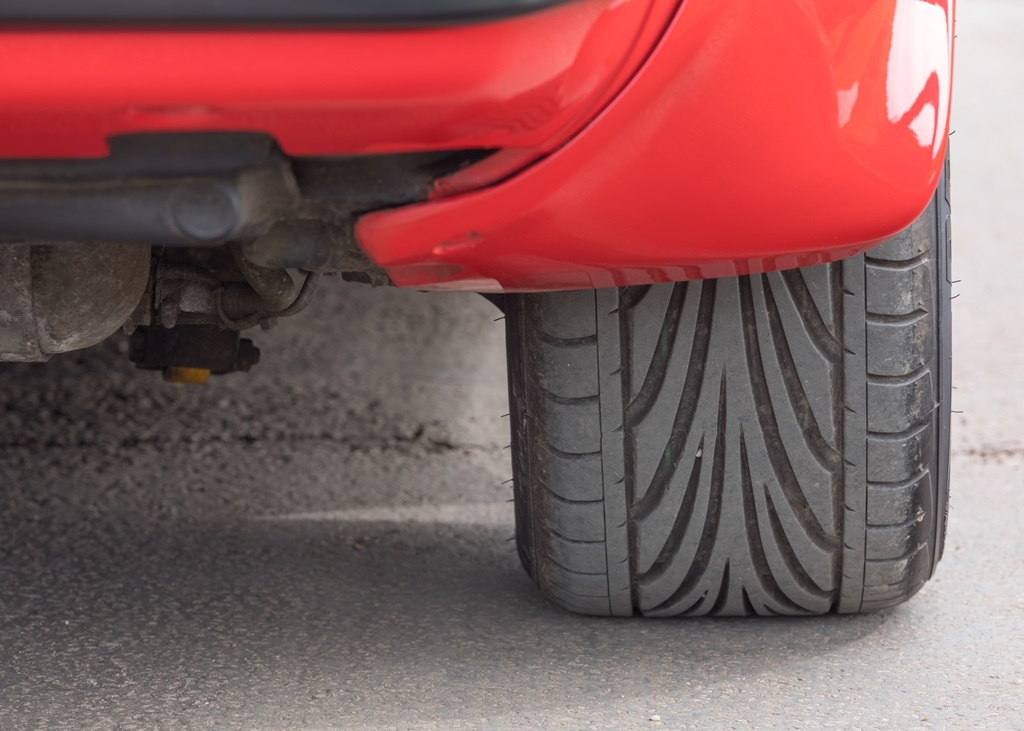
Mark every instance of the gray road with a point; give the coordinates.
(324, 544)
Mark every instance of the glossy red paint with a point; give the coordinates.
(757, 136)
(525, 83)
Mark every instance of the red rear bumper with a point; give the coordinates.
(753, 136)
(758, 136)
(516, 83)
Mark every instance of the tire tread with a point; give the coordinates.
(770, 444)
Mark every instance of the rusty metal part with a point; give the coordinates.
(19, 331)
(198, 347)
(262, 316)
(181, 196)
(305, 296)
(64, 297)
(314, 245)
(184, 289)
(237, 297)
(60, 297)
(274, 286)
(303, 244)
(187, 301)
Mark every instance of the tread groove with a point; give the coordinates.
(755, 541)
(824, 341)
(714, 511)
(723, 593)
(563, 537)
(899, 436)
(903, 557)
(679, 526)
(654, 379)
(905, 380)
(581, 342)
(909, 523)
(630, 297)
(910, 481)
(826, 455)
(566, 500)
(910, 318)
(803, 579)
(567, 400)
(686, 409)
(568, 455)
(777, 455)
(900, 265)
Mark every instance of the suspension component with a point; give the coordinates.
(191, 353)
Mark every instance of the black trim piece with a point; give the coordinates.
(202, 189)
(155, 156)
(246, 12)
(186, 212)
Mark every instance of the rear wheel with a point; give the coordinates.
(769, 444)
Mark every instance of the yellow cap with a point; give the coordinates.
(190, 376)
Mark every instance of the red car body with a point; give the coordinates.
(636, 141)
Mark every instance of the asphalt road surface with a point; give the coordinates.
(324, 544)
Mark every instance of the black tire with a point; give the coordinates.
(769, 444)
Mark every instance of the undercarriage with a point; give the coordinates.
(183, 241)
